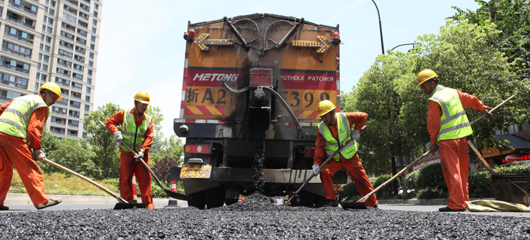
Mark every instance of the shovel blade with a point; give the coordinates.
(177, 195)
(119, 206)
(352, 205)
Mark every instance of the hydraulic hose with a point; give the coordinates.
(299, 132)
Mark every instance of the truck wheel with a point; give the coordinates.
(197, 200)
(215, 197)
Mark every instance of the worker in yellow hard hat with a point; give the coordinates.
(138, 133)
(333, 132)
(21, 124)
(448, 126)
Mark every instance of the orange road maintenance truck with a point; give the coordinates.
(250, 93)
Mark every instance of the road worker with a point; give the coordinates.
(448, 127)
(21, 124)
(338, 128)
(137, 132)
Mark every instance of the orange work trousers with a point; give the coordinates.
(355, 168)
(455, 168)
(14, 151)
(129, 167)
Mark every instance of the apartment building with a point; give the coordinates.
(51, 41)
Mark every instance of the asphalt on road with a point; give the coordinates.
(256, 218)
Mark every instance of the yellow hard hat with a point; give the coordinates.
(426, 75)
(142, 97)
(324, 107)
(52, 87)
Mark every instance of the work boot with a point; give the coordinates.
(447, 209)
(331, 203)
(50, 203)
(4, 208)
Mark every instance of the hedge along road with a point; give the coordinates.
(257, 218)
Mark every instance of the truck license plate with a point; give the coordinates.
(196, 171)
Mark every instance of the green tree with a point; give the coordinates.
(380, 94)
(513, 20)
(102, 141)
(157, 117)
(76, 155)
(49, 141)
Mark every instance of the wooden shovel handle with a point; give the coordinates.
(86, 179)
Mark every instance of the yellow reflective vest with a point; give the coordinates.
(453, 122)
(344, 134)
(15, 119)
(134, 135)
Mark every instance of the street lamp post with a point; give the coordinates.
(404, 44)
(380, 28)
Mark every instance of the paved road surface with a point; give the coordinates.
(21, 202)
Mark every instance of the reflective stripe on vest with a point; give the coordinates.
(15, 119)
(134, 135)
(453, 122)
(344, 134)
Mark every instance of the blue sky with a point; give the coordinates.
(152, 59)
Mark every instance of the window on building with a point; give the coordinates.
(12, 64)
(91, 55)
(87, 98)
(77, 85)
(89, 81)
(8, 95)
(90, 63)
(16, 49)
(88, 90)
(87, 108)
(75, 104)
(14, 81)
(74, 123)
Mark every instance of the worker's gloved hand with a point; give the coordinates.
(118, 137)
(316, 169)
(38, 155)
(355, 134)
(139, 155)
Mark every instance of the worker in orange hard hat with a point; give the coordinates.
(137, 132)
(333, 132)
(448, 126)
(21, 124)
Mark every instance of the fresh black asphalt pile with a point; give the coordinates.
(257, 218)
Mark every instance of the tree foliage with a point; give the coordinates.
(512, 18)
(74, 154)
(102, 141)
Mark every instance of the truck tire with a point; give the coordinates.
(215, 197)
(197, 200)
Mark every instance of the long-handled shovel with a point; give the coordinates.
(168, 192)
(123, 204)
(295, 194)
(489, 168)
(358, 203)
